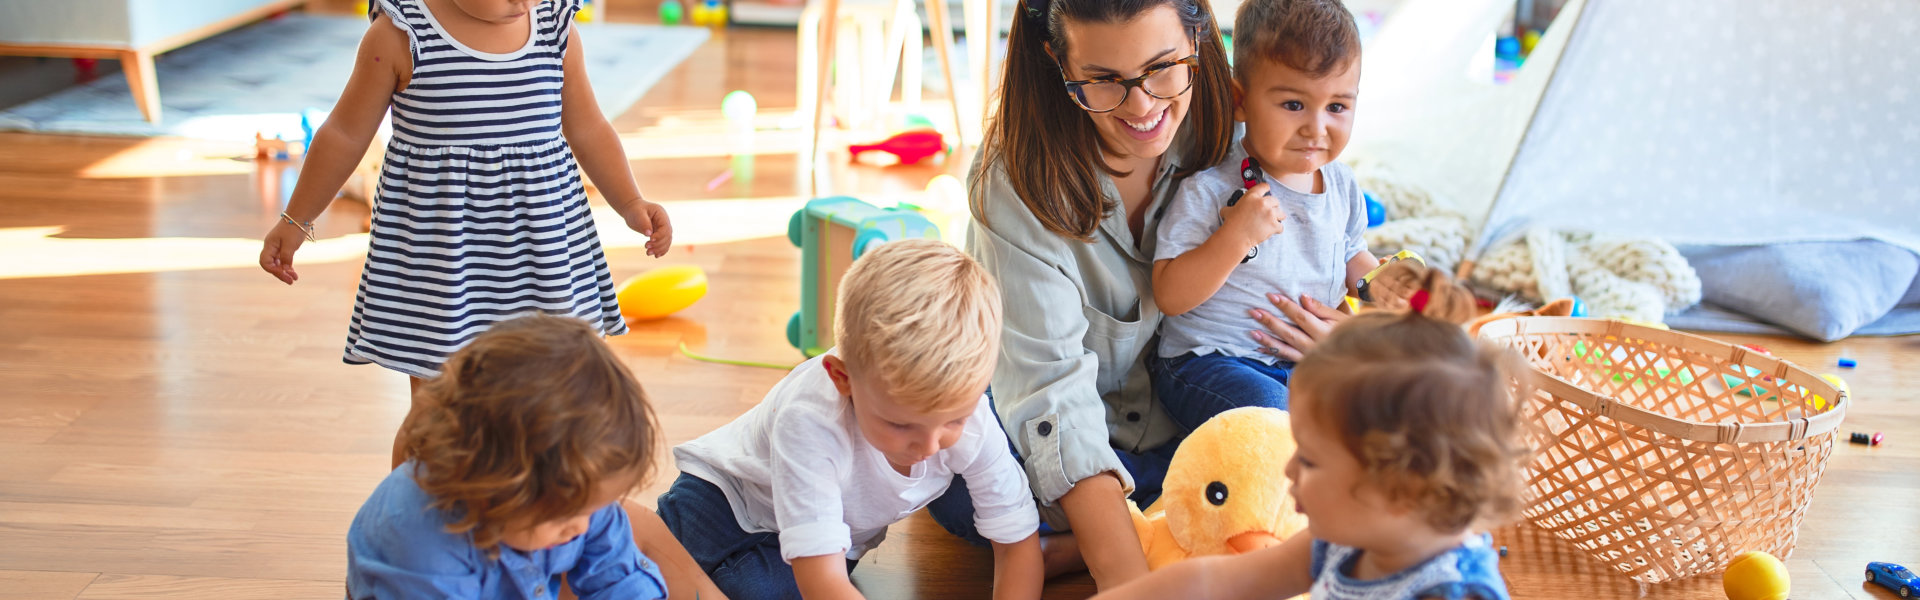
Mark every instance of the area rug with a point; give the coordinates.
(263, 77)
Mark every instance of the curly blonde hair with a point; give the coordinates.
(1429, 412)
(527, 421)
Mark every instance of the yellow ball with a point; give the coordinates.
(1755, 576)
(661, 292)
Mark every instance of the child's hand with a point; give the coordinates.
(276, 251)
(1254, 218)
(650, 220)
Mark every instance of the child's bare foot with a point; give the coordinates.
(1060, 553)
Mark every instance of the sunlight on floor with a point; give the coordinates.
(162, 157)
(43, 254)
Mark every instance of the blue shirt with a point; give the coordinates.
(1470, 571)
(398, 547)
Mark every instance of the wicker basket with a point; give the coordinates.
(1665, 455)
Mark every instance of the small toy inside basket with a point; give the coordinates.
(1655, 452)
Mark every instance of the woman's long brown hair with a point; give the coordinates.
(1046, 143)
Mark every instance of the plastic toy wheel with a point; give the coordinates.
(867, 240)
(793, 330)
(1869, 575)
(1906, 592)
(793, 228)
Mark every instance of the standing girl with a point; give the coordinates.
(481, 213)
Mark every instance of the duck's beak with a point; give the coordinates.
(1251, 541)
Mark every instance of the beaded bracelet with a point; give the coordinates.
(306, 228)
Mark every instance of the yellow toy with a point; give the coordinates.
(661, 292)
(1755, 576)
(1225, 492)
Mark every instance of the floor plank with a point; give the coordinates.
(42, 585)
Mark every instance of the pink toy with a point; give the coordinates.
(909, 146)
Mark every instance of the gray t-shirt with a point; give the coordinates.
(1309, 257)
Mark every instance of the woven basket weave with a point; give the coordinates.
(1665, 455)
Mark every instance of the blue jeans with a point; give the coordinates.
(954, 509)
(743, 565)
(1194, 388)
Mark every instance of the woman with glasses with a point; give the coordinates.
(1105, 106)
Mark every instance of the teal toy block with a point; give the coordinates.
(832, 233)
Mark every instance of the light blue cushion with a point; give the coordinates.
(1822, 290)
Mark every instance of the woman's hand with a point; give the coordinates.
(1289, 341)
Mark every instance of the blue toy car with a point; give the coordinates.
(1894, 577)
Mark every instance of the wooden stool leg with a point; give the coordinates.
(986, 37)
(141, 79)
(943, 45)
(829, 19)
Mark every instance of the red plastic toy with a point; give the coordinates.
(909, 146)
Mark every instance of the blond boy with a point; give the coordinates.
(783, 501)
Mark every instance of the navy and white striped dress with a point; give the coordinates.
(481, 213)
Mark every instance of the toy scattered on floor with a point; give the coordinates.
(1848, 363)
(945, 204)
(1758, 348)
(1867, 439)
(671, 12)
(363, 7)
(711, 13)
(832, 233)
(1579, 308)
(661, 292)
(719, 180)
(1756, 576)
(1527, 41)
(585, 14)
(1894, 577)
(265, 148)
(739, 109)
(1376, 212)
(908, 146)
(1224, 491)
(1503, 552)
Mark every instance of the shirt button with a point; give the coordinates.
(1044, 428)
(540, 592)
(1133, 417)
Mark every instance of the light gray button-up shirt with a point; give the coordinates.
(1071, 383)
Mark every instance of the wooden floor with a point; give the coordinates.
(174, 423)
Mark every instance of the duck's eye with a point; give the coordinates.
(1217, 493)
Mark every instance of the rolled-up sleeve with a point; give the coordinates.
(1045, 382)
(1003, 508)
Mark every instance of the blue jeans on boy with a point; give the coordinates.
(741, 564)
(954, 509)
(1194, 388)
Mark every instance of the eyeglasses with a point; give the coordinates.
(1107, 93)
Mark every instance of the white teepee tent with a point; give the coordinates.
(1727, 122)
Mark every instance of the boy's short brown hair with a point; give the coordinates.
(526, 421)
(1316, 37)
(921, 316)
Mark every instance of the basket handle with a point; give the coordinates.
(1724, 433)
